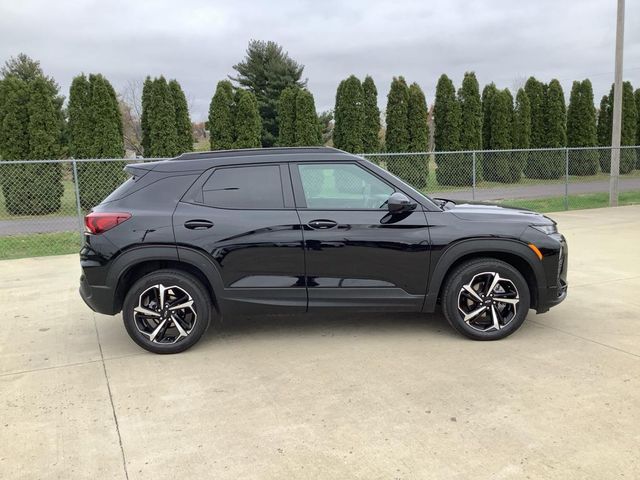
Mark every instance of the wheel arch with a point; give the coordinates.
(513, 252)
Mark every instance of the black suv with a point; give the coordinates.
(208, 234)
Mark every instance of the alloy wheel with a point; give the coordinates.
(488, 302)
(165, 315)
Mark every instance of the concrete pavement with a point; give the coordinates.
(384, 396)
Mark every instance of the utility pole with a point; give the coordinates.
(617, 110)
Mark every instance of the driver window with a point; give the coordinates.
(342, 185)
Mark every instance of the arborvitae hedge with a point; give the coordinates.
(497, 165)
(471, 127)
(306, 127)
(248, 126)
(417, 125)
(80, 122)
(627, 133)
(447, 119)
(147, 88)
(371, 127)
(349, 116)
(221, 117)
(637, 98)
(184, 136)
(287, 117)
(487, 99)
(521, 138)
(581, 129)
(162, 121)
(397, 133)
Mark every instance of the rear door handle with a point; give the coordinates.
(322, 224)
(198, 224)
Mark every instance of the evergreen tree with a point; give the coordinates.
(307, 128)
(80, 121)
(497, 165)
(471, 126)
(147, 88)
(371, 127)
(287, 117)
(487, 99)
(338, 122)
(14, 133)
(221, 117)
(417, 125)
(605, 116)
(349, 114)
(447, 119)
(248, 126)
(637, 98)
(521, 138)
(182, 120)
(162, 126)
(581, 129)
(535, 90)
(266, 71)
(42, 193)
(627, 131)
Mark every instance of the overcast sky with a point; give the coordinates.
(198, 41)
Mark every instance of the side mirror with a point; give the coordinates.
(399, 203)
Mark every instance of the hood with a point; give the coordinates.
(482, 212)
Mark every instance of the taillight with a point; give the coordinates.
(98, 222)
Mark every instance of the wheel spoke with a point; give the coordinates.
(161, 290)
(494, 283)
(176, 322)
(187, 304)
(471, 315)
(511, 301)
(146, 311)
(469, 289)
(154, 334)
(494, 316)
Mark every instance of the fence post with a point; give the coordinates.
(566, 179)
(76, 186)
(473, 187)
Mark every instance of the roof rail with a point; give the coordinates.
(245, 152)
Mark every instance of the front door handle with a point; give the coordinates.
(198, 224)
(322, 224)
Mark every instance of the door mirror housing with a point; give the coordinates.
(399, 203)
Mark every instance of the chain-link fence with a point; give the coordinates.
(42, 203)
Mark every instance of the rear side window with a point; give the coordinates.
(250, 187)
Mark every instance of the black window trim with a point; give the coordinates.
(194, 194)
(298, 190)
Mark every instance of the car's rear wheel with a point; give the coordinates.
(485, 299)
(167, 311)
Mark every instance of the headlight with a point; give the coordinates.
(547, 229)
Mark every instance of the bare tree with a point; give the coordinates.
(130, 102)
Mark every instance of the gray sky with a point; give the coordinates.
(198, 41)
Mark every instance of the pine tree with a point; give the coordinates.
(350, 116)
(266, 71)
(487, 99)
(371, 127)
(397, 132)
(521, 138)
(248, 126)
(581, 129)
(182, 120)
(471, 127)
(535, 90)
(147, 88)
(80, 122)
(14, 133)
(221, 117)
(337, 116)
(162, 125)
(605, 116)
(497, 165)
(307, 128)
(417, 125)
(43, 192)
(447, 119)
(287, 117)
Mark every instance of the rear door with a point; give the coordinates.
(244, 218)
(357, 254)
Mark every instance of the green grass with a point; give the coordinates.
(576, 202)
(39, 245)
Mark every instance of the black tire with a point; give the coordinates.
(185, 283)
(514, 315)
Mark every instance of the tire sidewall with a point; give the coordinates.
(462, 276)
(202, 306)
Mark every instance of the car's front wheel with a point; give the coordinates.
(485, 299)
(167, 311)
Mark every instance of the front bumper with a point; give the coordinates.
(557, 290)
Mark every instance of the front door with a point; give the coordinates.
(357, 254)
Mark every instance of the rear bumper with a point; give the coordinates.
(99, 298)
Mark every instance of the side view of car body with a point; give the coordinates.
(209, 234)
